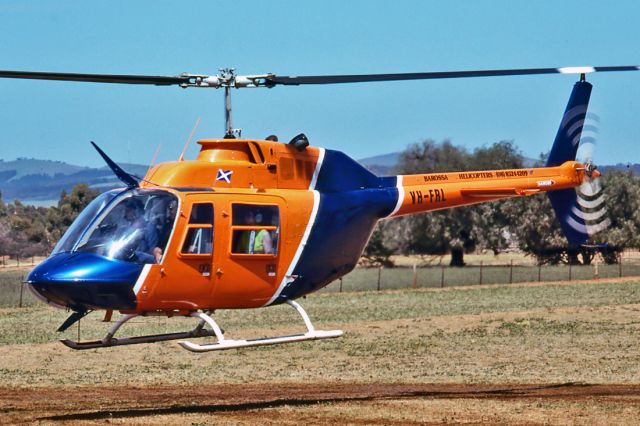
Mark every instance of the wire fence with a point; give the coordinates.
(13, 293)
(17, 261)
(378, 279)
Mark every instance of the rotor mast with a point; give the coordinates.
(227, 75)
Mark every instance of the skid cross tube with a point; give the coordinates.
(222, 343)
(109, 340)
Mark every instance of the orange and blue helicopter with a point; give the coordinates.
(255, 223)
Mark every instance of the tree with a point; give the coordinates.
(377, 253)
(69, 207)
(622, 197)
(32, 231)
(538, 232)
(461, 229)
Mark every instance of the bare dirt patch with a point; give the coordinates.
(354, 403)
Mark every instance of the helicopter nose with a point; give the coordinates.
(84, 281)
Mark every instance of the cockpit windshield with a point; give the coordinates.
(133, 226)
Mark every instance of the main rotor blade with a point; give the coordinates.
(97, 78)
(274, 80)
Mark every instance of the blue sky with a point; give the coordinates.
(56, 120)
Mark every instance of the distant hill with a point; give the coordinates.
(40, 182)
(633, 168)
(382, 165)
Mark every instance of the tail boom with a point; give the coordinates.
(439, 191)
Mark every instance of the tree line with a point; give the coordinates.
(27, 230)
(524, 223)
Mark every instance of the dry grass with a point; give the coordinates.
(584, 333)
(494, 335)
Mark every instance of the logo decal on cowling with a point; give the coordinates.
(224, 175)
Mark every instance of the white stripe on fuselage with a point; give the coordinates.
(312, 220)
(400, 195)
(316, 172)
(141, 278)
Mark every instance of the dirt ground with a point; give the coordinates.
(328, 403)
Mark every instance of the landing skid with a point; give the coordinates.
(222, 344)
(200, 331)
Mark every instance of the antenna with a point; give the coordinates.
(153, 160)
(186, 145)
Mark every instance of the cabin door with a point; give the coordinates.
(248, 269)
(186, 279)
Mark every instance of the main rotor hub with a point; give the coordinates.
(227, 77)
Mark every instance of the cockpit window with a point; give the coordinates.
(79, 225)
(135, 227)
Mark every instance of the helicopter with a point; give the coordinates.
(252, 223)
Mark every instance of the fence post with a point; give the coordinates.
(570, 267)
(595, 266)
(18, 259)
(620, 266)
(31, 260)
(511, 272)
(442, 277)
(415, 275)
(21, 290)
(481, 272)
(539, 272)
(379, 274)
(340, 285)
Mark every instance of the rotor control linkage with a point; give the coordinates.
(591, 169)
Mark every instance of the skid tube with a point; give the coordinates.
(223, 344)
(200, 331)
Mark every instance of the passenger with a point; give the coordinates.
(254, 241)
(263, 243)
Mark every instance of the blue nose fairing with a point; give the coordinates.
(83, 281)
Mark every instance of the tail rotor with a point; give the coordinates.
(590, 207)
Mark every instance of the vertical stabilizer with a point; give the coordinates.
(565, 147)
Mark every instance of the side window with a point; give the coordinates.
(255, 229)
(199, 236)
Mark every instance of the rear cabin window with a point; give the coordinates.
(255, 229)
(199, 236)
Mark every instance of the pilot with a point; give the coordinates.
(146, 246)
(255, 241)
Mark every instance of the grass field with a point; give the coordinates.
(482, 354)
